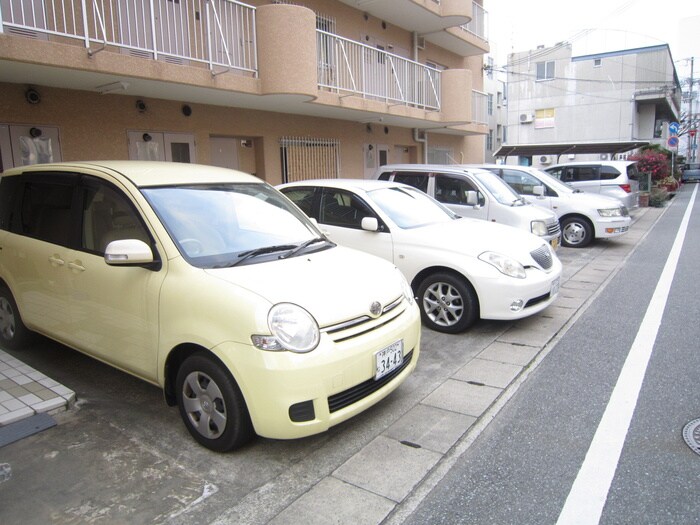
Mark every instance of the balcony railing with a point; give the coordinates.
(477, 25)
(479, 107)
(346, 66)
(218, 33)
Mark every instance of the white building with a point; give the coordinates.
(616, 97)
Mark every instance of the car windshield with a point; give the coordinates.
(222, 225)
(498, 188)
(409, 207)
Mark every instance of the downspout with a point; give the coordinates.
(424, 141)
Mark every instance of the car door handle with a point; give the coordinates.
(56, 260)
(76, 266)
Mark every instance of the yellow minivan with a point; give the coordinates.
(209, 283)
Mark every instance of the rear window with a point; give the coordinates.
(608, 173)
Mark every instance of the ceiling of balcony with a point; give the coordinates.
(407, 14)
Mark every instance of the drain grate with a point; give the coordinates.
(691, 434)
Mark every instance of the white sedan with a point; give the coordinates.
(460, 269)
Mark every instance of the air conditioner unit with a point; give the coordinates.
(545, 159)
(604, 156)
(526, 117)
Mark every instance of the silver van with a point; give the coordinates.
(476, 193)
(614, 178)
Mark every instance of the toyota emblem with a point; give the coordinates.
(375, 308)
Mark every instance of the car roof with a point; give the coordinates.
(615, 163)
(450, 168)
(347, 184)
(147, 173)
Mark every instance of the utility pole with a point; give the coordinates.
(690, 157)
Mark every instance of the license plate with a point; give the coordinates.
(555, 287)
(388, 359)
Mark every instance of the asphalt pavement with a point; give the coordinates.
(120, 455)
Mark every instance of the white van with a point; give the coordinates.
(476, 193)
(615, 178)
(582, 216)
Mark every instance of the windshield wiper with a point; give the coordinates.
(244, 256)
(303, 245)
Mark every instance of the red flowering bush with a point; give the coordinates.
(654, 162)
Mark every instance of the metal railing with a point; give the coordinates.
(477, 26)
(479, 107)
(218, 33)
(346, 66)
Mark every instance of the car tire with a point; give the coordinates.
(576, 232)
(448, 303)
(13, 333)
(211, 404)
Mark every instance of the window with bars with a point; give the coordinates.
(309, 158)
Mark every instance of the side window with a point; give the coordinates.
(108, 216)
(385, 176)
(608, 173)
(417, 180)
(556, 172)
(586, 173)
(8, 198)
(302, 197)
(632, 172)
(46, 211)
(451, 190)
(342, 208)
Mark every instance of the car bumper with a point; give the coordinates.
(292, 395)
(606, 228)
(506, 298)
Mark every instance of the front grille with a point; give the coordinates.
(358, 392)
(365, 323)
(543, 257)
(554, 229)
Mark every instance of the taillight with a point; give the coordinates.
(626, 187)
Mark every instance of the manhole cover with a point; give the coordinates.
(691, 434)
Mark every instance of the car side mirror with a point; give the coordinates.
(472, 198)
(538, 191)
(128, 252)
(370, 224)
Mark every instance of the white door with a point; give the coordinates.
(34, 145)
(224, 152)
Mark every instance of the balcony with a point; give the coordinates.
(349, 67)
(170, 50)
(467, 39)
(219, 34)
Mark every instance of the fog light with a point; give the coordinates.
(517, 305)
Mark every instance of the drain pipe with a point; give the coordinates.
(422, 140)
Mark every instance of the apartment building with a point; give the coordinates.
(620, 97)
(286, 90)
(496, 110)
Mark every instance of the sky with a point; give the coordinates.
(595, 26)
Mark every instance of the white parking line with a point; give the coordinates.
(588, 495)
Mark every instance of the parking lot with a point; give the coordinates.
(120, 455)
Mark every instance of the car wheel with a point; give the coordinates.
(13, 333)
(212, 405)
(576, 232)
(448, 303)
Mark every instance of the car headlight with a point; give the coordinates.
(539, 228)
(506, 265)
(610, 212)
(406, 288)
(292, 328)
